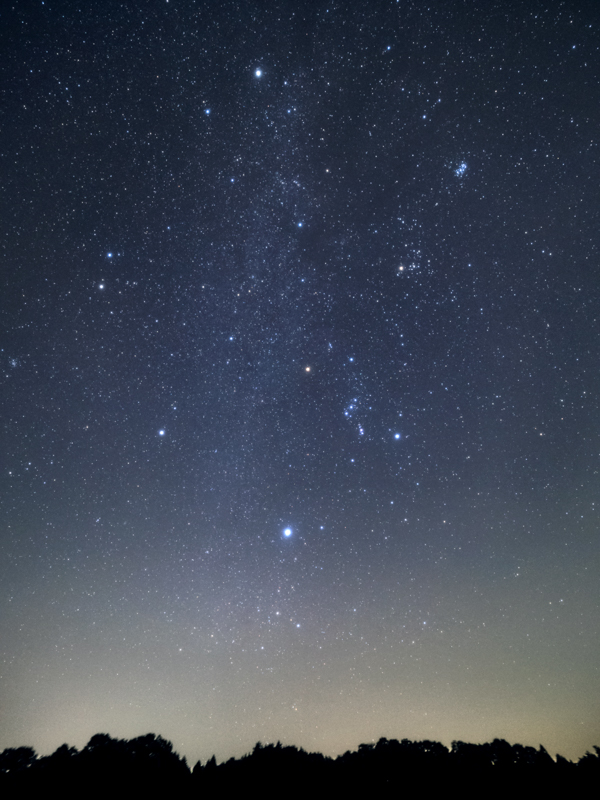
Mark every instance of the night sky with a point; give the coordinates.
(300, 373)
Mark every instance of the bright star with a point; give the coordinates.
(109, 255)
(287, 533)
(161, 433)
(258, 73)
(207, 111)
(101, 286)
(396, 436)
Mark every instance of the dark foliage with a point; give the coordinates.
(109, 768)
(16, 759)
(147, 767)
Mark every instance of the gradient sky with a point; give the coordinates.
(300, 373)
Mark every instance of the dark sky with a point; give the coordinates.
(300, 373)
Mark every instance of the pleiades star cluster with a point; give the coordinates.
(300, 373)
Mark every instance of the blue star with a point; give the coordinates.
(287, 532)
(258, 72)
(161, 433)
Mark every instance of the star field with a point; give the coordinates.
(300, 374)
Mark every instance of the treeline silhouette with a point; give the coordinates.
(148, 767)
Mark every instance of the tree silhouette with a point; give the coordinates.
(14, 759)
(148, 767)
